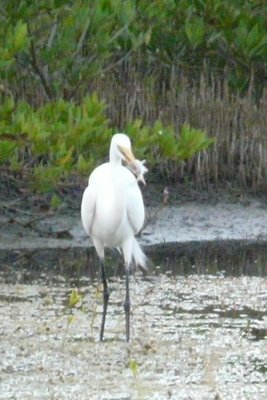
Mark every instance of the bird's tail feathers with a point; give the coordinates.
(139, 256)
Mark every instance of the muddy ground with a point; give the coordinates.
(199, 317)
(193, 337)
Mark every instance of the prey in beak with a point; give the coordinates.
(136, 166)
(139, 169)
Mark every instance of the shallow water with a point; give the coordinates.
(195, 335)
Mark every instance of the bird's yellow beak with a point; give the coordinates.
(129, 157)
(136, 166)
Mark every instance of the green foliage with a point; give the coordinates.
(195, 31)
(55, 202)
(55, 140)
(133, 365)
(226, 35)
(46, 177)
(74, 298)
(7, 149)
(63, 45)
(159, 142)
(63, 138)
(74, 301)
(191, 141)
(14, 39)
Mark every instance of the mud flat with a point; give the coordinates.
(47, 239)
(199, 336)
(199, 317)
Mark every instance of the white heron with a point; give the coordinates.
(112, 213)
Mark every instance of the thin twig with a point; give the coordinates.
(38, 69)
(157, 211)
(52, 34)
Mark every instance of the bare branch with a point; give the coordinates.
(52, 34)
(39, 70)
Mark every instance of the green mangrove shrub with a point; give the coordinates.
(53, 141)
(159, 143)
(60, 46)
(62, 138)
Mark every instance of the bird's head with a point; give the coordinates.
(120, 148)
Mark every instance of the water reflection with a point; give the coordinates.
(218, 258)
(230, 258)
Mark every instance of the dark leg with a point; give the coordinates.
(127, 305)
(105, 297)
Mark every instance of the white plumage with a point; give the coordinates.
(112, 212)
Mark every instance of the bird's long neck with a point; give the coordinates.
(114, 158)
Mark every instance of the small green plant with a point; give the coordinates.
(74, 298)
(133, 365)
(192, 141)
(55, 202)
(74, 301)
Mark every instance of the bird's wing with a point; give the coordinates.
(135, 208)
(88, 207)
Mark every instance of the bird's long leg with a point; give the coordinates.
(105, 297)
(127, 304)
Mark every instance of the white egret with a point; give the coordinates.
(112, 212)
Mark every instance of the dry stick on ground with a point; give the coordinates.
(163, 204)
